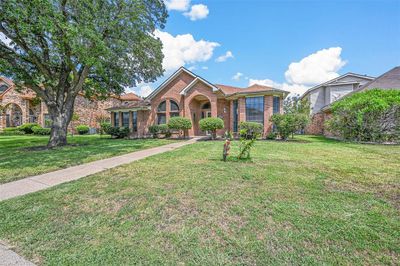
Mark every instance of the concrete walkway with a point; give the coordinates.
(40, 182)
(10, 258)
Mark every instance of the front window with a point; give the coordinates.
(174, 109)
(134, 121)
(255, 109)
(161, 119)
(125, 119)
(116, 119)
(235, 116)
(162, 107)
(276, 105)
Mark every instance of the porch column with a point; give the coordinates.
(214, 110)
(119, 119)
(268, 111)
(242, 109)
(130, 121)
(112, 119)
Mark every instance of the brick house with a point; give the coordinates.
(188, 95)
(322, 96)
(20, 107)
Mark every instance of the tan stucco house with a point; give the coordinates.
(188, 95)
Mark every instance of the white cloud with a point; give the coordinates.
(179, 5)
(145, 90)
(237, 76)
(184, 49)
(316, 68)
(224, 57)
(204, 67)
(197, 12)
(191, 68)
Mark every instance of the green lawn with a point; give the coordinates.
(22, 156)
(314, 201)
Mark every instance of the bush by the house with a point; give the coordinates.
(82, 129)
(290, 123)
(154, 130)
(27, 128)
(250, 129)
(164, 129)
(272, 136)
(179, 123)
(38, 130)
(118, 132)
(12, 131)
(211, 124)
(373, 115)
(104, 127)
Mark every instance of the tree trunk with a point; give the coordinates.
(61, 120)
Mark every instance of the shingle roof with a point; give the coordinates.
(130, 97)
(230, 90)
(142, 104)
(388, 80)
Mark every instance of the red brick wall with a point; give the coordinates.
(316, 125)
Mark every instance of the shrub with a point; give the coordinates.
(12, 131)
(154, 129)
(27, 128)
(82, 129)
(284, 124)
(211, 124)
(164, 129)
(271, 136)
(179, 123)
(104, 127)
(251, 129)
(372, 115)
(118, 132)
(38, 130)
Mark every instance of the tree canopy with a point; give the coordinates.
(60, 48)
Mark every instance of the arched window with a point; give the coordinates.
(174, 108)
(161, 113)
(162, 107)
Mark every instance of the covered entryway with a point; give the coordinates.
(13, 114)
(200, 107)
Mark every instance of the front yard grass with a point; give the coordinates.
(22, 156)
(315, 201)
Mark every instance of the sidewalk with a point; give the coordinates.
(43, 181)
(10, 258)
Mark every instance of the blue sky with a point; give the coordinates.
(287, 44)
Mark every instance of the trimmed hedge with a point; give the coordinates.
(27, 128)
(252, 129)
(82, 129)
(12, 131)
(211, 124)
(179, 123)
(160, 129)
(118, 132)
(38, 130)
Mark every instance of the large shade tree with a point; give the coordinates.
(60, 48)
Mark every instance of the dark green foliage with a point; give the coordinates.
(38, 130)
(165, 130)
(63, 48)
(373, 115)
(82, 129)
(211, 124)
(250, 129)
(272, 136)
(154, 129)
(27, 128)
(118, 132)
(104, 127)
(179, 123)
(12, 131)
(290, 123)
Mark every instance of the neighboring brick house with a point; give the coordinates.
(188, 95)
(20, 107)
(320, 107)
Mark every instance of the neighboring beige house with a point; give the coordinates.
(189, 95)
(322, 96)
(334, 89)
(20, 107)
